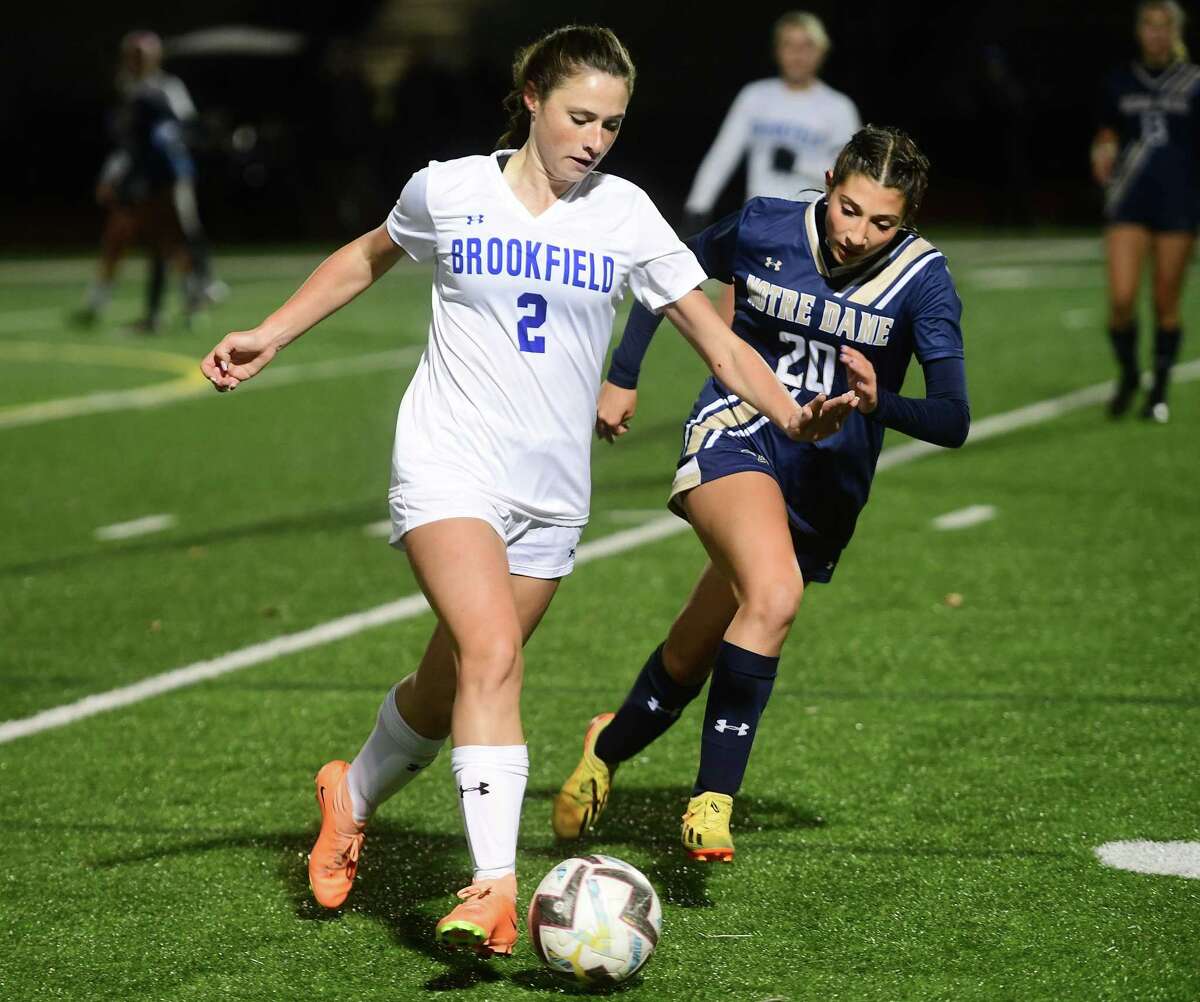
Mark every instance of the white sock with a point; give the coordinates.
(98, 295)
(388, 761)
(491, 785)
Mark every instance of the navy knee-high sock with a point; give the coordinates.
(1166, 350)
(1124, 345)
(653, 705)
(741, 685)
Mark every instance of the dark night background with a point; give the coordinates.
(315, 146)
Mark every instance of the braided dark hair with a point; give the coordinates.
(554, 57)
(889, 157)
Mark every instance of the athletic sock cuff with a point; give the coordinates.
(399, 730)
(744, 662)
(510, 758)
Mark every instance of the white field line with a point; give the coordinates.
(965, 517)
(144, 397)
(1167, 859)
(135, 527)
(415, 605)
(379, 529)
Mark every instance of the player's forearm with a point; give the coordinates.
(942, 417)
(737, 366)
(347, 272)
(627, 357)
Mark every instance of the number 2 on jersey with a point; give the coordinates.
(531, 322)
(817, 356)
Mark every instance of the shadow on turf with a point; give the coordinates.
(408, 876)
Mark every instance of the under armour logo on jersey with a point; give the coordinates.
(721, 726)
(773, 263)
(482, 789)
(474, 219)
(657, 707)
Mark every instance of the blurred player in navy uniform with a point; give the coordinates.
(789, 128)
(836, 294)
(148, 185)
(1146, 154)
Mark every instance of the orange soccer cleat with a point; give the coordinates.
(334, 858)
(486, 918)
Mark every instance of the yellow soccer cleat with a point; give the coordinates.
(581, 800)
(705, 828)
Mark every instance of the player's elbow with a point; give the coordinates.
(959, 429)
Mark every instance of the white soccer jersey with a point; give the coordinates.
(791, 137)
(504, 398)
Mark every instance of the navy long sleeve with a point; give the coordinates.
(714, 248)
(626, 361)
(941, 417)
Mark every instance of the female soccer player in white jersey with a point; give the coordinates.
(1145, 154)
(834, 293)
(531, 249)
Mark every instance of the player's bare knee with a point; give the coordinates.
(775, 603)
(490, 665)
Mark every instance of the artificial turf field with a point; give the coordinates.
(927, 792)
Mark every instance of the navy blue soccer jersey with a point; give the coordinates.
(1156, 116)
(796, 308)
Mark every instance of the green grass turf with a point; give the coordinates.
(920, 816)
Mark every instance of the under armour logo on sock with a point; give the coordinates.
(482, 788)
(657, 707)
(722, 725)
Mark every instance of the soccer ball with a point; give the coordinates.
(595, 919)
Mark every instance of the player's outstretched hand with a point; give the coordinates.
(239, 356)
(614, 411)
(829, 414)
(861, 377)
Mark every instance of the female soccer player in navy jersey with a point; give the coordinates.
(1146, 154)
(835, 294)
(532, 249)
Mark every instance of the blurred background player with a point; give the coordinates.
(789, 128)
(147, 185)
(1146, 154)
(837, 294)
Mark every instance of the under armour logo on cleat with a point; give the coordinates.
(773, 263)
(482, 789)
(721, 726)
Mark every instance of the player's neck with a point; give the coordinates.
(531, 182)
(799, 85)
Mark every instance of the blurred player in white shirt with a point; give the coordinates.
(532, 249)
(790, 128)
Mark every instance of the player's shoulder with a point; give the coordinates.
(764, 89)
(926, 268)
(835, 97)
(766, 211)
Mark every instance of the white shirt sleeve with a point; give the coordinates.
(410, 224)
(723, 156)
(178, 98)
(664, 270)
